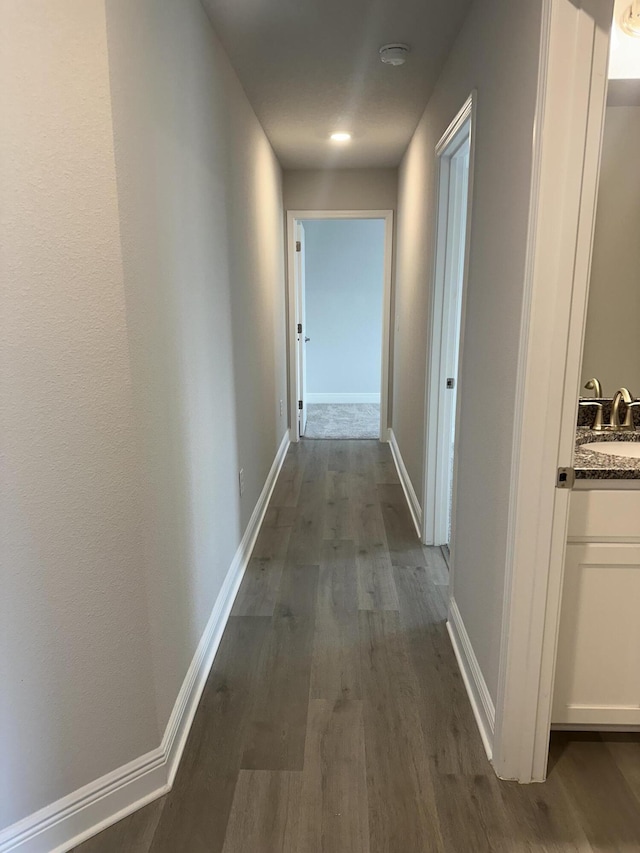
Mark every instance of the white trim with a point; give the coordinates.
(465, 112)
(338, 399)
(566, 145)
(292, 217)
(591, 715)
(606, 485)
(603, 540)
(477, 690)
(385, 369)
(431, 500)
(300, 319)
(592, 727)
(71, 820)
(405, 481)
(76, 817)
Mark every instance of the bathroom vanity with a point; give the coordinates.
(598, 663)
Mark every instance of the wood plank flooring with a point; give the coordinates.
(335, 719)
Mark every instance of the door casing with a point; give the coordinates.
(293, 217)
(569, 121)
(435, 477)
(300, 318)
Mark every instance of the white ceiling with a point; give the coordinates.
(310, 67)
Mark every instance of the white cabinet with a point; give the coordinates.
(598, 664)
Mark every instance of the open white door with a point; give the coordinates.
(451, 323)
(453, 152)
(301, 331)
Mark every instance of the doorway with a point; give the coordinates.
(339, 297)
(453, 154)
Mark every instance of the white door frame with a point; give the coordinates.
(433, 472)
(300, 317)
(292, 217)
(566, 155)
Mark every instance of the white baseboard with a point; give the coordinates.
(74, 818)
(407, 486)
(481, 702)
(186, 704)
(343, 398)
(70, 821)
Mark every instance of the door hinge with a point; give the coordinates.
(451, 383)
(300, 404)
(298, 246)
(299, 328)
(566, 478)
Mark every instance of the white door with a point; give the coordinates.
(301, 330)
(451, 243)
(452, 315)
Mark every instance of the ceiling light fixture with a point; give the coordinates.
(394, 54)
(631, 20)
(341, 136)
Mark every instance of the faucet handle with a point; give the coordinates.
(595, 386)
(597, 422)
(629, 416)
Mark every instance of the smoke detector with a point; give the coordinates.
(631, 19)
(394, 54)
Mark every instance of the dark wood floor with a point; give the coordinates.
(335, 719)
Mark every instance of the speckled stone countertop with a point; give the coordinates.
(587, 413)
(589, 465)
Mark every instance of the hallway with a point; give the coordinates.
(335, 718)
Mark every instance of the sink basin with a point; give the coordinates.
(630, 449)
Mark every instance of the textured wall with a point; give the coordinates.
(340, 189)
(344, 265)
(199, 193)
(75, 663)
(143, 361)
(612, 343)
(496, 53)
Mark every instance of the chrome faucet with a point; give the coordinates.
(595, 386)
(622, 394)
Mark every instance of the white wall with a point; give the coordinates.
(612, 344)
(76, 663)
(496, 53)
(344, 269)
(340, 189)
(144, 341)
(202, 236)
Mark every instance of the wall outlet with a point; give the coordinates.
(241, 481)
(281, 408)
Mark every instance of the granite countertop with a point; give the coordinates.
(589, 465)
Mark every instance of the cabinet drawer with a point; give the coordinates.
(601, 516)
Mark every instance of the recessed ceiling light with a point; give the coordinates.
(394, 54)
(341, 136)
(631, 20)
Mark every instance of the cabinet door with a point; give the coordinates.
(598, 664)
